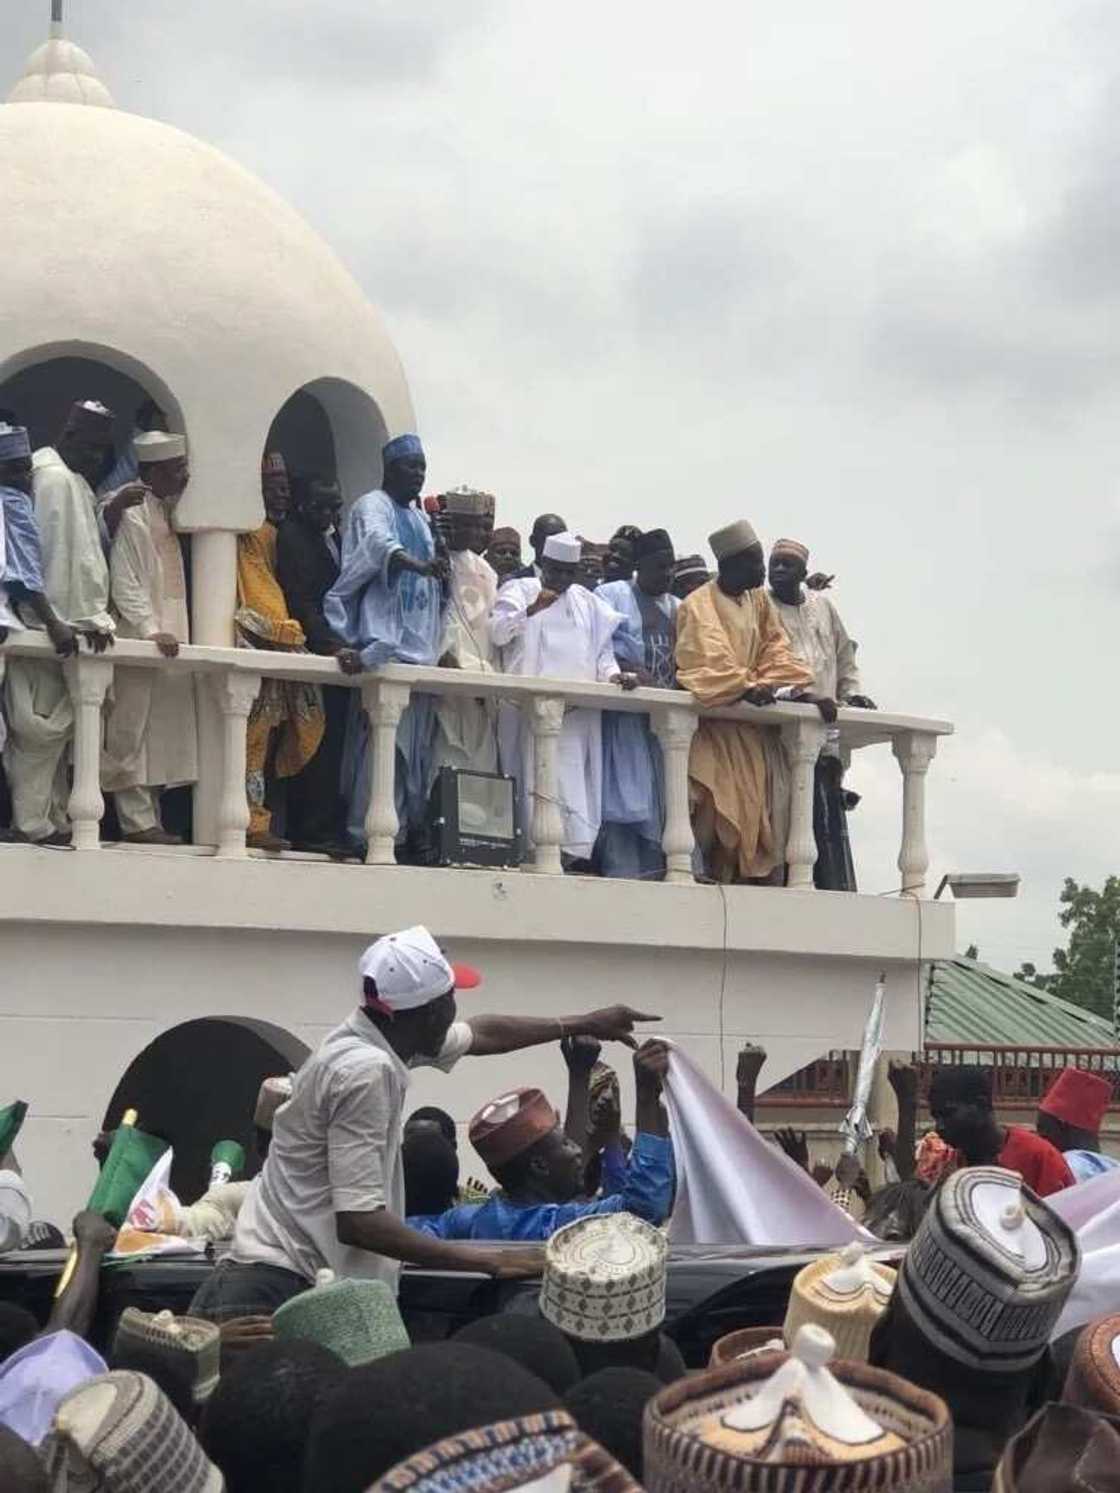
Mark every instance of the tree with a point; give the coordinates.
(1028, 973)
(1084, 971)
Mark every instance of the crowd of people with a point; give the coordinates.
(89, 551)
(943, 1364)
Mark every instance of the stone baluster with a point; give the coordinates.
(802, 740)
(546, 716)
(675, 726)
(915, 751)
(384, 703)
(234, 692)
(87, 680)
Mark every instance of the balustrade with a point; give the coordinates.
(233, 679)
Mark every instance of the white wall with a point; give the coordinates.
(100, 952)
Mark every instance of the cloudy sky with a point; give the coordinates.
(852, 270)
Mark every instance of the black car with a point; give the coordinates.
(712, 1290)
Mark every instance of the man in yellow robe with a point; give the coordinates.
(290, 712)
(731, 647)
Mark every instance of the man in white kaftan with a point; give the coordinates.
(554, 629)
(76, 585)
(466, 728)
(819, 639)
(151, 737)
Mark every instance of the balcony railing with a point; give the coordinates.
(823, 1084)
(233, 678)
(1020, 1075)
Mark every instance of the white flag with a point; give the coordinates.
(733, 1185)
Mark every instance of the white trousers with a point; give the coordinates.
(579, 774)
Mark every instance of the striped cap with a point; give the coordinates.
(989, 1270)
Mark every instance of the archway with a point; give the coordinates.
(197, 1084)
(334, 429)
(39, 385)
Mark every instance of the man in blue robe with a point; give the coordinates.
(633, 770)
(540, 1170)
(387, 606)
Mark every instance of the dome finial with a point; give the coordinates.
(60, 73)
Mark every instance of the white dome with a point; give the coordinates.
(131, 242)
(61, 73)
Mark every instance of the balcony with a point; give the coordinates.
(231, 677)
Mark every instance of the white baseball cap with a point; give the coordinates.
(409, 970)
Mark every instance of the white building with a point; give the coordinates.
(139, 260)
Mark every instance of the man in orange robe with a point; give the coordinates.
(731, 647)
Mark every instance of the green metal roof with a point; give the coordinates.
(968, 1002)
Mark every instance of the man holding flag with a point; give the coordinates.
(331, 1193)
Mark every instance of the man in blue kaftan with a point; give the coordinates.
(387, 606)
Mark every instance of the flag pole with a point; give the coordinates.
(128, 1119)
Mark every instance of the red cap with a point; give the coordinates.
(511, 1124)
(1078, 1098)
(466, 977)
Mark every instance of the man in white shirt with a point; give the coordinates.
(331, 1193)
(553, 628)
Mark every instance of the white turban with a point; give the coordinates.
(158, 445)
(565, 549)
(733, 540)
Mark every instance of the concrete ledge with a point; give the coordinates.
(169, 889)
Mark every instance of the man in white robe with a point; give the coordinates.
(151, 737)
(466, 729)
(76, 585)
(552, 628)
(819, 638)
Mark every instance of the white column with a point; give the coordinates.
(87, 679)
(802, 741)
(384, 704)
(675, 726)
(546, 716)
(213, 599)
(234, 693)
(915, 751)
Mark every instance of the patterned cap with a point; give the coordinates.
(1094, 1373)
(734, 539)
(691, 565)
(510, 1124)
(844, 1293)
(120, 1434)
(604, 1278)
(791, 547)
(548, 1451)
(786, 1423)
(401, 448)
(469, 500)
(989, 1270)
(1064, 1449)
(357, 1319)
(188, 1339)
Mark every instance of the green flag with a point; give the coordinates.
(11, 1123)
(130, 1159)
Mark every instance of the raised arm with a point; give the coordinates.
(751, 1059)
(494, 1035)
(511, 609)
(75, 1308)
(581, 1054)
(903, 1080)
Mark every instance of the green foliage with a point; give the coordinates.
(1084, 970)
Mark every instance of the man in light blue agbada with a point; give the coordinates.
(633, 771)
(387, 606)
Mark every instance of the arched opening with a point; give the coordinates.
(331, 428)
(38, 386)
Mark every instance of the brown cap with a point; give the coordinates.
(511, 1124)
(1094, 1373)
